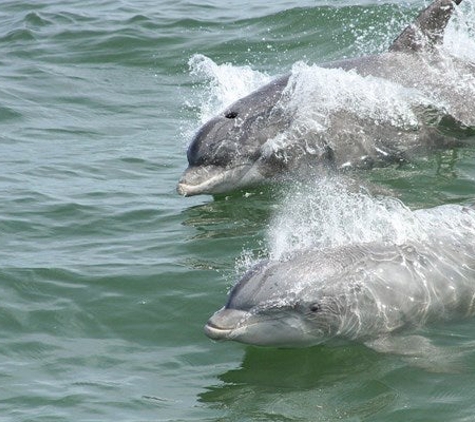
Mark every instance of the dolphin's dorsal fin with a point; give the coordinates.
(428, 29)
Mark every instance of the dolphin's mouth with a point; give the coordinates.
(217, 333)
(225, 322)
(200, 180)
(197, 180)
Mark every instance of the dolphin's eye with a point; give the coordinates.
(316, 307)
(231, 114)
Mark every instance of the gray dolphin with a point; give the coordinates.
(358, 292)
(231, 151)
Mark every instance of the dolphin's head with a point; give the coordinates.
(226, 153)
(271, 307)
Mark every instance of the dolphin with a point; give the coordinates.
(356, 292)
(240, 146)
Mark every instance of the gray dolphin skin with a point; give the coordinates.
(231, 151)
(358, 292)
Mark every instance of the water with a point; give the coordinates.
(107, 275)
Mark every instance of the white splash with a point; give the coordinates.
(459, 39)
(329, 214)
(378, 36)
(315, 93)
(225, 83)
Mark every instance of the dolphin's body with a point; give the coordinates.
(234, 149)
(359, 292)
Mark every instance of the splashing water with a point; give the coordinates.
(381, 33)
(328, 214)
(459, 39)
(316, 93)
(226, 83)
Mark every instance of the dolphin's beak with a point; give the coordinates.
(211, 180)
(223, 322)
(198, 180)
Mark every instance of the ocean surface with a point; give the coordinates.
(107, 275)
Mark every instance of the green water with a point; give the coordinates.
(107, 276)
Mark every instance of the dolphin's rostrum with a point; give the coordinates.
(235, 149)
